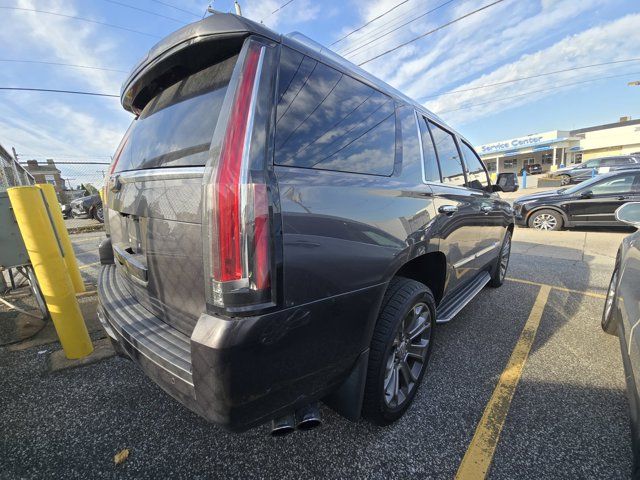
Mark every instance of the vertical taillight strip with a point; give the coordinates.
(239, 222)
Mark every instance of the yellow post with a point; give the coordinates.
(494, 177)
(58, 222)
(46, 258)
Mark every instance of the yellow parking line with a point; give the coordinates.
(88, 265)
(479, 454)
(558, 287)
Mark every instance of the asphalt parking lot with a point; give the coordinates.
(546, 403)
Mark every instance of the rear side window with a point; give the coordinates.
(176, 127)
(476, 174)
(448, 156)
(328, 120)
(431, 172)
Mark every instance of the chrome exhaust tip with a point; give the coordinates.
(309, 417)
(283, 426)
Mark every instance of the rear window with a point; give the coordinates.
(176, 127)
(328, 120)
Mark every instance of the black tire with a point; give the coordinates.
(546, 219)
(608, 321)
(391, 347)
(499, 271)
(98, 214)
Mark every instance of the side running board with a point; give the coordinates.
(451, 306)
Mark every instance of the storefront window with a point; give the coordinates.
(510, 163)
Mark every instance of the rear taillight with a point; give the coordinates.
(238, 204)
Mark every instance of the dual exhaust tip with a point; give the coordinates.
(305, 418)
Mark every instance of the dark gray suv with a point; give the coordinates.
(284, 228)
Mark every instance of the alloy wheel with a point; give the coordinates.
(408, 355)
(565, 180)
(608, 304)
(504, 256)
(545, 221)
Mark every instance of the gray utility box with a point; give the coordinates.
(12, 251)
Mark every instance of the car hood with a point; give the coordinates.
(540, 195)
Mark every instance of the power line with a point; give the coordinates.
(397, 27)
(430, 32)
(556, 87)
(531, 76)
(62, 64)
(281, 6)
(369, 22)
(83, 19)
(115, 2)
(25, 89)
(177, 8)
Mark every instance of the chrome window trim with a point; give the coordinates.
(163, 173)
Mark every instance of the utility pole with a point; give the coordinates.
(14, 164)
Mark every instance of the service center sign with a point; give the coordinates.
(516, 143)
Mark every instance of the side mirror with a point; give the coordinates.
(629, 213)
(587, 194)
(496, 188)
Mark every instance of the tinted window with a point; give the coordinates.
(411, 149)
(431, 171)
(176, 127)
(619, 184)
(476, 175)
(448, 156)
(328, 120)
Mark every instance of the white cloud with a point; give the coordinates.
(616, 40)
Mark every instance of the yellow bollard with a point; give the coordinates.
(46, 258)
(494, 177)
(58, 222)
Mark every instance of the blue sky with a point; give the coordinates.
(512, 39)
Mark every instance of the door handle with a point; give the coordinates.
(486, 209)
(448, 209)
(623, 198)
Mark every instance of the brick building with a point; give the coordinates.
(46, 173)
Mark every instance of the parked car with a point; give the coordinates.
(338, 223)
(621, 315)
(533, 169)
(88, 207)
(65, 208)
(592, 202)
(584, 171)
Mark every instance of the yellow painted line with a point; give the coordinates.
(89, 265)
(479, 455)
(558, 287)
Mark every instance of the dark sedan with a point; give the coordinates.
(88, 207)
(621, 316)
(592, 202)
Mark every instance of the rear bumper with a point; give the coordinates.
(236, 373)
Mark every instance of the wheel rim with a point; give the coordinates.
(99, 214)
(565, 179)
(608, 304)
(408, 355)
(504, 256)
(545, 221)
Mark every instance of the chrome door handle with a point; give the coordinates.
(486, 209)
(448, 209)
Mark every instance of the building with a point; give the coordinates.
(46, 173)
(562, 147)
